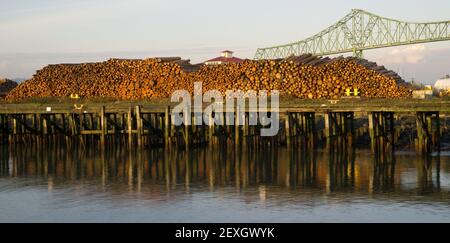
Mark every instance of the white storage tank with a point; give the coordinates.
(443, 84)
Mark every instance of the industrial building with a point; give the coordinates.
(225, 57)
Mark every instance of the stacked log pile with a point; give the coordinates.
(306, 76)
(6, 86)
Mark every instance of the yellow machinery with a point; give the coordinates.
(350, 93)
(76, 106)
(75, 96)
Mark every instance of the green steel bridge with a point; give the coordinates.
(358, 31)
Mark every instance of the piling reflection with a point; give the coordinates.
(340, 169)
(384, 173)
(428, 174)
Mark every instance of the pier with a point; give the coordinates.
(147, 125)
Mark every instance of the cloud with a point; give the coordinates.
(85, 26)
(406, 55)
(3, 64)
(423, 63)
(3, 68)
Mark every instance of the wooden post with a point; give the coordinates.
(92, 123)
(341, 128)
(237, 127)
(381, 129)
(288, 129)
(194, 129)
(130, 127)
(4, 131)
(438, 132)
(420, 131)
(79, 128)
(139, 125)
(103, 127)
(391, 118)
(211, 128)
(5, 128)
(54, 129)
(72, 126)
(351, 133)
(64, 124)
(311, 128)
(246, 127)
(44, 129)
(429, 138)
(187, 116)
(122, 130)
(14, 129)
(328, 128)
(372, 131)
(167, 126)
(114, 130)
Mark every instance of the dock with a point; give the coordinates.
(149, 125)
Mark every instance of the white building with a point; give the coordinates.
(443, 84)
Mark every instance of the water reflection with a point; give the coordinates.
(384, 174)
(428, 174)
(331, 171)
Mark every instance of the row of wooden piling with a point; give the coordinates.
(154, 128)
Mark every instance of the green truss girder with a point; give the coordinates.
(358, 31)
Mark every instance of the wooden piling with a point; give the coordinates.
(103, 127)
(246, 128)
(139, 125)
(287, 128)
(237, 126)
(328, 118)
(130, 127)
(211, 127)
(428, 130)
(438, 132)
(167, 126)
(299, 123)
(187, 116)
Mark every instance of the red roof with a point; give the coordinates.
(226, 59)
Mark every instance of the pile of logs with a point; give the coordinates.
(315, 61)
(6, 86)
(306, 76)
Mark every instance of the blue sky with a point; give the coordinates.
(35, 33)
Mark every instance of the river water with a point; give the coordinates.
(221, 185)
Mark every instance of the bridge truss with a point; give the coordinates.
(358, 31)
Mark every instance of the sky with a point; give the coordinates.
(35, 33)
